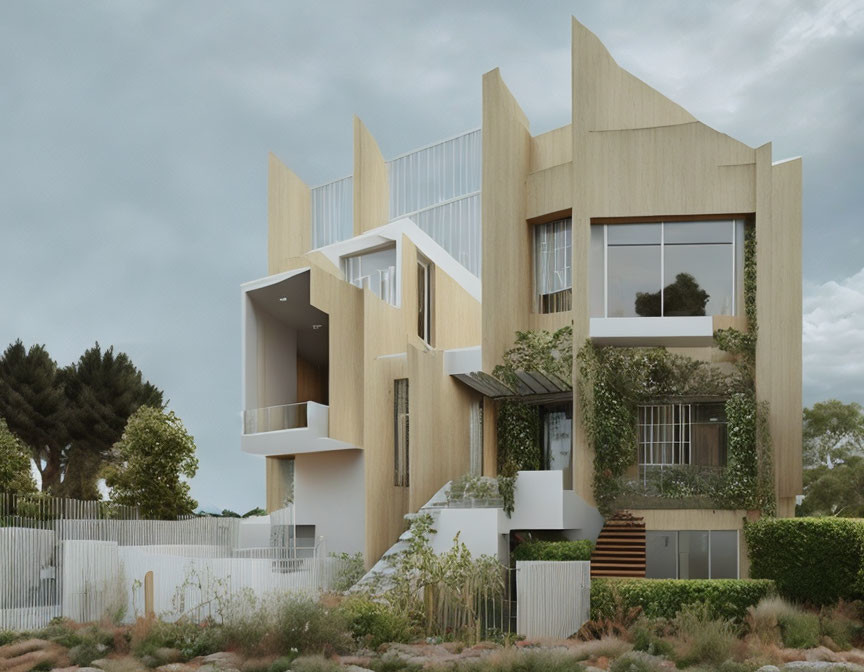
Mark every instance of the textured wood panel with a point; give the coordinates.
(778, 302)
(507, 286)
(289, 219)
(371, 190)
(552, 148)
(311, 382)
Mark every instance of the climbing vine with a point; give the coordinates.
(518, 427)
(518, 424)
(613, 382)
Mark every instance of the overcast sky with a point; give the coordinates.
(134, 140)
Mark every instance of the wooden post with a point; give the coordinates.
(149, 613)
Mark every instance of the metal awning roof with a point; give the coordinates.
(532, 387)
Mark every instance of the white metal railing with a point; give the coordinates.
(275, 418)
(88, 569)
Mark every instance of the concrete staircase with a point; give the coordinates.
(620, 548)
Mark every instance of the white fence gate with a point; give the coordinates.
(553, 599)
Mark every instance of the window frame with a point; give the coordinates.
(394, 281)
(401, 433)
(738, 224)
(425, 305)
(559, 301)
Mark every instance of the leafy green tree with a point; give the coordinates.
(833, 431)
(154, 452)
(15, 476)
(837, 491)
(33, 404)
(102, 392)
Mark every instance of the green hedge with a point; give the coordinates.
(554, 550)
(815, 560)
(727, 598)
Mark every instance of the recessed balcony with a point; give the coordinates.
(289, 429)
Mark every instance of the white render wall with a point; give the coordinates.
(330, 493)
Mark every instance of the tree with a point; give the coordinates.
(837, 491)
(102, 392)
(15, 476)
(833, 431)
(154, 452)
(682, 297)
(33, 404)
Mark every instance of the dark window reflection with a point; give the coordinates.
(633, 270)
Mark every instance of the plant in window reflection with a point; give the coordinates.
(684, 297)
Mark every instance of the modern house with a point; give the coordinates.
(393, 294)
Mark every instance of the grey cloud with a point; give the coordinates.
(135, 135)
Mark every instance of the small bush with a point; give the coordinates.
(282, 663)
(554, 550)
(7, 637)
(85, 653)
(800, 629)
(726, 598)
(704, 638)
(841, 626)
(373, 623)
(310, 627)
(191, 639)
(649, 636)
(816, 560)
(636, 661)
(351, 570)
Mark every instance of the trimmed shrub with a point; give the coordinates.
(726, 598)
(815, 560)
(554, 550)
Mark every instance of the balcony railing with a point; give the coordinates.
(275, 418)
(674, 486)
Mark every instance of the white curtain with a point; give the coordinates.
(552, 256)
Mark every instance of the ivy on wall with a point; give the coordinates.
(518, 425)
(518, 428)
(613, 381)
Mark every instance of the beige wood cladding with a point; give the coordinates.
(371, 191)
(289, 222)
(628, 152)
(631, 152)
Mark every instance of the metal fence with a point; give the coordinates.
(86, 561)
(553, 598)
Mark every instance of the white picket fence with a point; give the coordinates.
(553, 598)
(86, 569)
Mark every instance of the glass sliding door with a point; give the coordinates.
(557, 441)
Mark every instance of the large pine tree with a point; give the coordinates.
(33, 404)
(102, 390)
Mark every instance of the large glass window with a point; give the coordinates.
(666, 269)
(691, 554)
(375, 270)
(675, 434)
(553, 276)
(557, 441)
